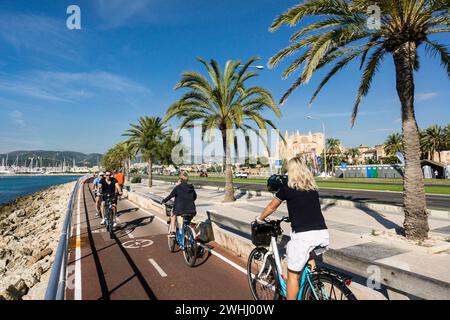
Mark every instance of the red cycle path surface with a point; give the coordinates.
(120, 268)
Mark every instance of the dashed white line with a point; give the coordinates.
(158, 268)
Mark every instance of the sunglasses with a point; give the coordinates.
(108, 175)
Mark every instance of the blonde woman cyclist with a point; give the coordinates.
(308, 224)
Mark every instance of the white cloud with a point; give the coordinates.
(347, 114)
(426, 96)
(39, 34)
(115, 13)
(68, 87)
(17, 117)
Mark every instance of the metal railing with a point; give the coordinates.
(57, 282)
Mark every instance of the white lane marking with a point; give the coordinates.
(78, 251)
(158, 268)
(221, 257)
(128, 232)
(218, 255)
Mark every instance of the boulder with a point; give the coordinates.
(13, 288)
(20, 213)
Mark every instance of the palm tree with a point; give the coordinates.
(223, 102)
(333, 147)
(148, 137)
(339, 33)
(129, 151)
(352, 154)
(393, 144)
(447, 137)
(432, 141)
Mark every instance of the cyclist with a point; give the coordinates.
(95, 190)
(108, 187)
(119, 177)
(185, 197)
(308, 224)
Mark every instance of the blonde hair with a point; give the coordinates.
(299, 176)
(184, 177)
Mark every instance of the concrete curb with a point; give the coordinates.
(337, 202)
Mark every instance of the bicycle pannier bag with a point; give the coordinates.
(261, 234)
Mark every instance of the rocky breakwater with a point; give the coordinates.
(29, 233)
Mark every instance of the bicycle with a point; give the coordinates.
(109, 216)
(185, 239)
(99, 203)
(267, 275)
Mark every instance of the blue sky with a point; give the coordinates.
(79, 90)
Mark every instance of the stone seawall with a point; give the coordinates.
(29, 232)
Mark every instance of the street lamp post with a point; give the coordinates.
(256, 67)
(324, 143)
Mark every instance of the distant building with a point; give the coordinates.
(445, 157)
(307, 145)
(375, 153)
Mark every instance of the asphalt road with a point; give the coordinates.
(436, 202)
(136, 263)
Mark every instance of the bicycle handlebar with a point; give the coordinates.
(278, 221)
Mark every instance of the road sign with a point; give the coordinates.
(278, 163)
(319, 160)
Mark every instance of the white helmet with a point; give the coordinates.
(101, 173)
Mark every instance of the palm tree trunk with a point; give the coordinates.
(416, 216)
(229, 190)
(150, 174)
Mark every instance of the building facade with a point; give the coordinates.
(309, 145)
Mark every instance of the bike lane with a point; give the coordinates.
(136, 263)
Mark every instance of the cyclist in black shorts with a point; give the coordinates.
(108, 187)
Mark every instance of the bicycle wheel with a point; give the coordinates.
(262, 276)
(190, 247)
(172, 242)
(325, 287)
(110, 223)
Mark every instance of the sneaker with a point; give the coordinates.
(97, 213)
(114, 224)
(102, 222)
(171, 235)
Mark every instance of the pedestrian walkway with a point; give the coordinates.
(352, 230)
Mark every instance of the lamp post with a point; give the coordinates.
(256, 67)
(324, 142)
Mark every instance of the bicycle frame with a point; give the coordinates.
(305, 277)
(179, 233)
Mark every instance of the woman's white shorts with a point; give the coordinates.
(300, 246)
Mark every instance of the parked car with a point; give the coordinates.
(203, 174)
(276, 181)
(241, 175)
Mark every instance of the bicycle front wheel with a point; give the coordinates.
(325, 287)
(262, 275)
(190, 247)
(110, 223)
